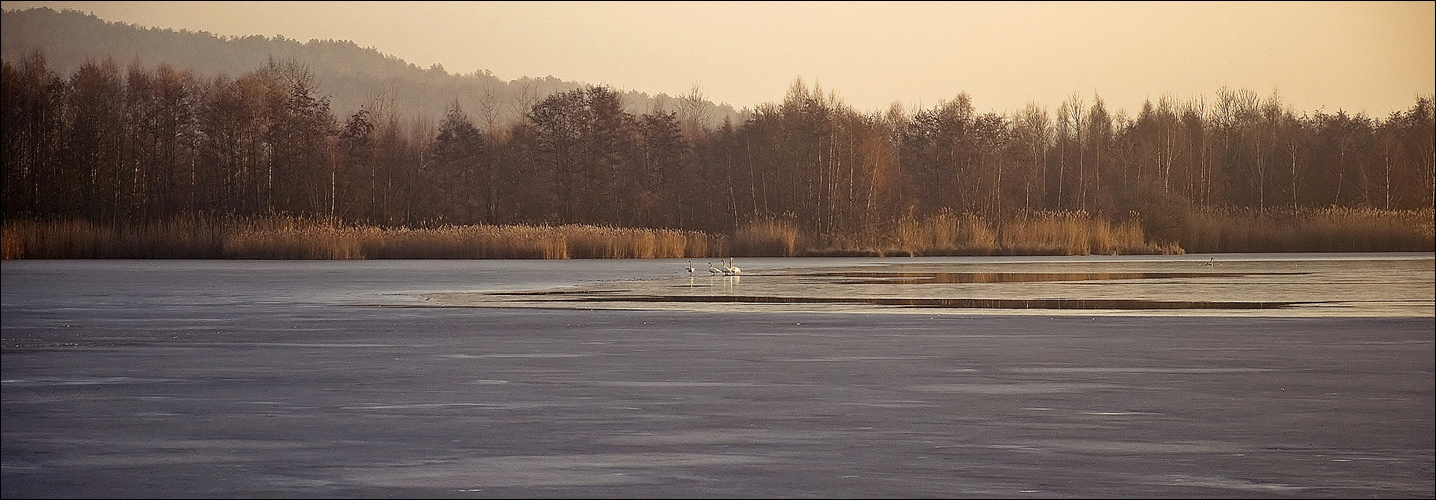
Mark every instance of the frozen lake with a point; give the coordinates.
(1271, 375)
(1350, 285)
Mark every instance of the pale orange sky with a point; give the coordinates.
(1372, 57)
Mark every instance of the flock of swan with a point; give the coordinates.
(731, 270)
(727, 269)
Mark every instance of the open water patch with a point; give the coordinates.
(948, 277)
(1245, 287)
(930, 302)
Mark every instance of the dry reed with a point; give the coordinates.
(180, 238)
(1309, 230)
(300, 238)
(946, 233)
(774, 237)
(1076, 233)
(1030, 233)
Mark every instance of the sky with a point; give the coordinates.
(1367, 57)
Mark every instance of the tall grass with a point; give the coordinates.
(181, 238)
(943, 234)
(1030, 233)
(299, 238)
(767, 238)
(946, 233)
(1077, 233)
(1309, 230)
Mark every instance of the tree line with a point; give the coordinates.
(147, 144)
(348, 74)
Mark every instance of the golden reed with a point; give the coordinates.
(946, 233)
(300, 238)
(1309, 230)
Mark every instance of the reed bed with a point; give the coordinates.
(767, 238)
(946, 233)
(299, 238)
(1309, 230)
(1033, 233)
(1077, 233)
(469, 242)
(181, 238)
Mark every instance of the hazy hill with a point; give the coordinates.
(351, 75)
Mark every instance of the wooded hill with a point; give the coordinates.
(132, 145)
(351, 76)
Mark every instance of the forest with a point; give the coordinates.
(348, 74)
(141, 146)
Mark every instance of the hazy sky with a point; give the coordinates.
(1372, 57)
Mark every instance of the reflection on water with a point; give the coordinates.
(1269, 285)
(952, 303)
(1380, 285)
(874, 278)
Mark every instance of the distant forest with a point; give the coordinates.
(351, 76)
(144, 143)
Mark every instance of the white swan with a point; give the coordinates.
(1209, 261)
(731, 269)
(690, 268)
(713, 269)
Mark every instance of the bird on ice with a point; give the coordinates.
(731, 269)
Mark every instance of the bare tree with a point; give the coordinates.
(489, 107)
(1195, 118)
(1099, 132)
(695, 112)
(1076, 107)
(525, 96)
(1069, 127)
(1268, 124)
(1168, 130)
(1034, 132)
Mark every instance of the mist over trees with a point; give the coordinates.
(137, 144)
(351, 76)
